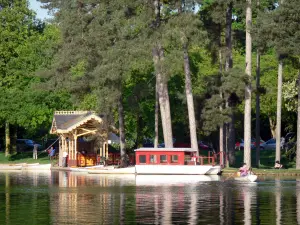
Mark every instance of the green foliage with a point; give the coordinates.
(280, 28)
(101, 50)
(25, 157)
(79, 69)
(290, 95)
(27, 47)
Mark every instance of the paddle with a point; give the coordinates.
(232, 175)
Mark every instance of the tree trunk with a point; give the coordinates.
(221, 129)
(156, 4)
(226, 134)
(230, 133)
(7, 139)
(156, 116)
(279, 104)
(162, 85)
(247, 115)
(228, 60)
(257, 109)
(163, 96)
(231, 140)
(221, 140)
(190, 100)
(156, 59)
(272, 127)
(298, 126)
(139, 137)
(122, 132)
(13, 146)
(164, 104)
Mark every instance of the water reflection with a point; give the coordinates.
(278, 200)
(249, 193)
(77, 198)
(298, 199)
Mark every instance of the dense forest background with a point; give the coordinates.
(158, 69)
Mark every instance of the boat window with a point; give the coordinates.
(163, 158)
(153, 159)
(174, 158)
(142, 159)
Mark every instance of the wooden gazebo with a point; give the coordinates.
(74, 128)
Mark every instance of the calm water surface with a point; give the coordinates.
(79, 198)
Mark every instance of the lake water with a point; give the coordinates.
(61, 197)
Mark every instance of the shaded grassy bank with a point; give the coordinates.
(267, 159)
(24, 157)
(271, 172)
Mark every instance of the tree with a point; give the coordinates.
(17, 25)
(279, 33)
(185, 29)
(218, 19)
(162, 79)
(230, 131)
(286, 20)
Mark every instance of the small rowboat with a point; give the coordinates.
(248, 178)
(37, 167)
(10, 167)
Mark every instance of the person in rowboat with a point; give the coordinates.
(244, 170)
(277, 165)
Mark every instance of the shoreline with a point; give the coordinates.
(113, 170)
(271, 172)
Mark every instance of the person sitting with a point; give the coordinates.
(194, 158)
(244, 170)
(277, 165)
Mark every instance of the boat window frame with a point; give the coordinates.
(172, 160)
(155, 157)
(145, 159)
(165, 161)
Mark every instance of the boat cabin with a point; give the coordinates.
(179, 161)
(169, 156)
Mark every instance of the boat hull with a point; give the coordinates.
(9, 167)
(178, 169)
(159, 180)
(37, 167)
(112, 170)
(248, 178)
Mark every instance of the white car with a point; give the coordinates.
(268, 145)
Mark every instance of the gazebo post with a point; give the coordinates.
(71, 149)
(106, 149)
(60, 152)
(75, 144)
(62, 148)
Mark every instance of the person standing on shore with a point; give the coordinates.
(35, 149)
(52, 153)
(65, 156)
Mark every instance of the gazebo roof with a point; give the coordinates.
(66, 121)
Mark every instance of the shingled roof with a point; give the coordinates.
(66, 121)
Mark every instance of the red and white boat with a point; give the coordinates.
(174, 161)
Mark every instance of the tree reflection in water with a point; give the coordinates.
(78, 198)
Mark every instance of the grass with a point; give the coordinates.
(24, 157)
(267, 159)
